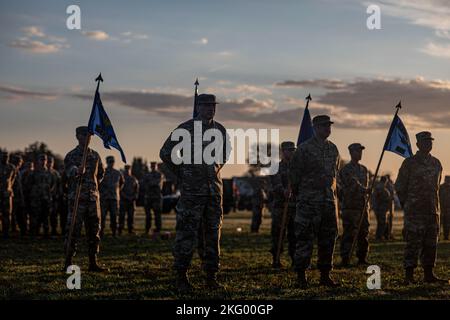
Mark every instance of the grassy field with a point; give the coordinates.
(140, 268)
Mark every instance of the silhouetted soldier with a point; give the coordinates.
(152, 197)
(128, 197)
(354, 178)
(88, 206)
(110, 188)
(444, 197)
(382, 202)
(313, 171)
(18, 210)
(56, 196)
(417, 188)
(7, 177)
(200, 203)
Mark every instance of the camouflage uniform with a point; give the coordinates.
(7, 177)
(313, 170)
(417, 187)
(110, 188)
(444, 197)
(199, 209)
(280, 186)
(257, 201)
(354, 178)
(55, 205)
(41, 189)
(382, 201)
(152, 199)
(391, 210)
(128, 196)
(18, 209)
(88, 206)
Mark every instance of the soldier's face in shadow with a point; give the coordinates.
(81, 139)
(287, 154)
(110, 163)
(425, 145)
(356, 155)
(322, 131)
(207, 111)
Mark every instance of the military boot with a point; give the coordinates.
(409, 276)
(211, 281)
(276, 263)
(182, 283)
(430, 277)
(345, 263)
(94, 266)
(363, 262)
(326, 280)
(302, 281)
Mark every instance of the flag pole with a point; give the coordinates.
(80, 180)
(194, 114)
(369, 193)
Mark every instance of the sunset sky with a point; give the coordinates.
(260, 58)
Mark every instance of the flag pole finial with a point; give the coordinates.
(99, 78)
(399, 105)
(308, 97)
(196, 82)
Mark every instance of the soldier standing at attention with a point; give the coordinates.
(56, 195)
(41, 189)
(128, 197)
(18, 209)
(444, 197)
(354, 178)
(382, 202)
(282, 193)
(152, 197)
(417, 188)
(313, 172)
(88, 205)
(257, 201)
(110, 188)
(200, 203)
(7, 177)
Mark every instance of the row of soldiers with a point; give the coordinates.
(34, 196)
(306, 182)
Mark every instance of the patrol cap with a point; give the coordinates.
(424, 135)
(447, 179)
(322, 119)
(83, 130)
(205, 98)
(356, 146)
(288, 145)
(109, 158)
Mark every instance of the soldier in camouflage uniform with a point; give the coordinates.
(417, 188)
(56, 195)
(313, 171)
(257, 201)
(110, 188)
(390, 217)
(444, 197)
(41, 185)
(88, 206)
(382, 201)
(279, 184)
(152, 197)
(7, 177)
(199, 209)
(18, 210)
(128, 197)
(354, 179)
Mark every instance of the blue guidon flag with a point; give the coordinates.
(306, 128)
(100, 124)
(397, 140)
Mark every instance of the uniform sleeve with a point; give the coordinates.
(401, 184)
(136, 188)
(100, 169)
(296, 168)
(166, 154)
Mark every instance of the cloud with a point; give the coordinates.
(96, 35)
(318, 83)
(37, 41)
(17, 93)
(202, 41)
(437, 50)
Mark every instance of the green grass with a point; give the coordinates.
(140, 268)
